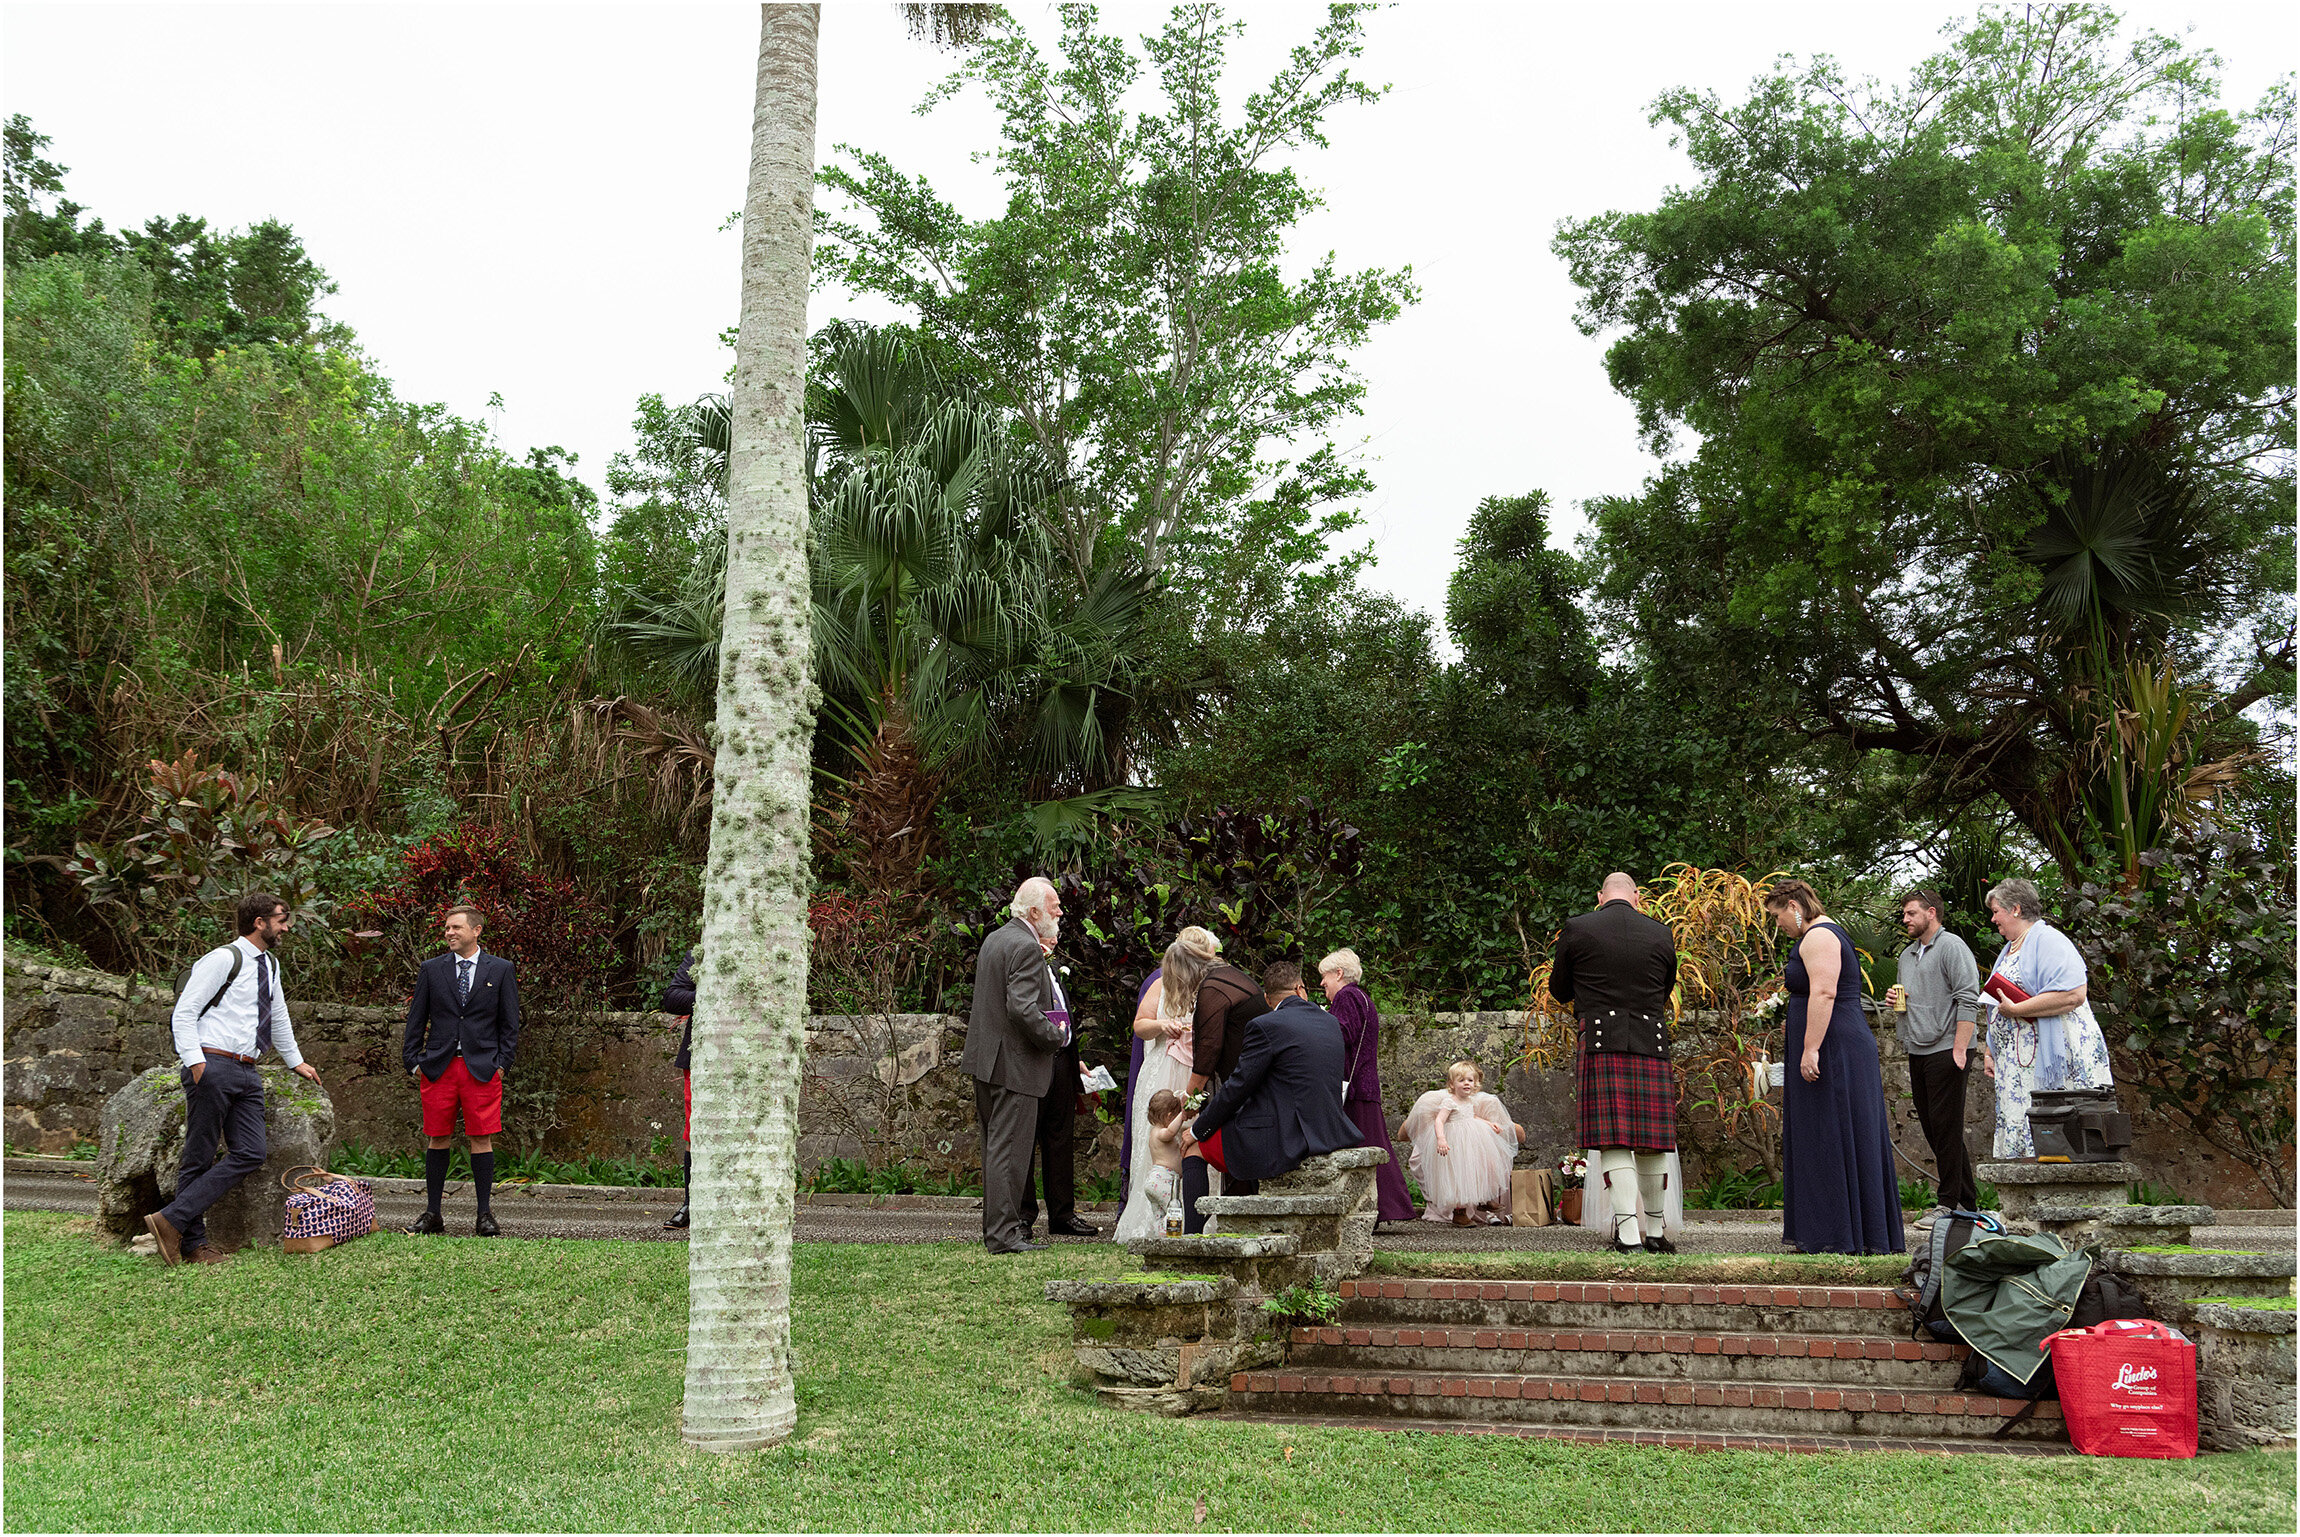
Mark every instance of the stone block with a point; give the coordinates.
(143, 1142)
(2244, 1376)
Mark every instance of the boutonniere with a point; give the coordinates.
(1063, 970)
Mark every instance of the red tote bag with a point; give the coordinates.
(2127, 1388)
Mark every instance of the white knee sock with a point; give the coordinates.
(1653, 1189)
(1618, 1167)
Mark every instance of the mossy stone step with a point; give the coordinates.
(1218, 1246)
(1141, 1293)
(2200, 1263)
(1274, 1205)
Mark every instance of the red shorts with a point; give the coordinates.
(1211, 1151)
(456, 1089)
(687, 1093)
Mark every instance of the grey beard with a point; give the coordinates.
(1045, 928)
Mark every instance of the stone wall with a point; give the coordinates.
(879, 1089)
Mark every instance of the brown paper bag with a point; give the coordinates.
(1529, 1198)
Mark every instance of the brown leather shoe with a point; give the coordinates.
(1461, 1217)
(209, 1254)
(170, 1241)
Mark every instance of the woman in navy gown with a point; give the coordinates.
(1341, 975)
(1838, 1191)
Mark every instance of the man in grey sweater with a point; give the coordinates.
(1936, 1003)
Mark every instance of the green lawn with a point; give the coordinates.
(452, 1385)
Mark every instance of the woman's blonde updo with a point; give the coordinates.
(1188, 959)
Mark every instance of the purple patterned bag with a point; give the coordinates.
(325, 1209)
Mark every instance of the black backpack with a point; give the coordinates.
(1920, 1288)
(184, 978)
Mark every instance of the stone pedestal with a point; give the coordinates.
(1171, 1346)
(1166, 1347)
(143, 1132)
(2022, 1187)
(2175, 1280)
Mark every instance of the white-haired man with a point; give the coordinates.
(1018, 1028)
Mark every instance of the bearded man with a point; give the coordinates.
(1019, 1027)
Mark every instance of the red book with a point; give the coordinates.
(2004, 990)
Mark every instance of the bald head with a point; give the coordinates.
(1617, 888)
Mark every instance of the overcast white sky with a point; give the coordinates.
(526, 199)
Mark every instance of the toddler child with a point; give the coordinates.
(1145, 1214)
(1463, 1144)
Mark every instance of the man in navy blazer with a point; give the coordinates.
(462, 1027)
(1284, 1102)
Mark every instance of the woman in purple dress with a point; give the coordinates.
(1341, 975)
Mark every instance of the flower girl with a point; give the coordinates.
(1463, 1143)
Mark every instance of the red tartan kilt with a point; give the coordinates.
(1627, 1101)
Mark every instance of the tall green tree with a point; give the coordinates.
(1904, 331)
(1129, 305)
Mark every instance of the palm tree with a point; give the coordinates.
(750, 1024)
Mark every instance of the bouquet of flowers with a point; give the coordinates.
(1767, 1006)
(1572, 1169)
(1193, 1103)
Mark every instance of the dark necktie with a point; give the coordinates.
(263, 1003)
(462, 982)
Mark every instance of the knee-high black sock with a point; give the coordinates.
(483, 1177)
(434, 1175)
(687, 1175)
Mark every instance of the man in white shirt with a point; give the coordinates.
(231, 1011)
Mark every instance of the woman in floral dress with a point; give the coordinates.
(2048, 1040)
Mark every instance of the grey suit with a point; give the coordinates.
(1011, 1047)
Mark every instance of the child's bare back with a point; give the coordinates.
(1167, 1122)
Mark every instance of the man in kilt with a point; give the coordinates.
(1616, 967)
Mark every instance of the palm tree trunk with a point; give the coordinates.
(750, 1004)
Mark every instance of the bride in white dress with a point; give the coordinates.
(1164, 1022)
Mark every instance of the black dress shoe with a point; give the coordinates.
(1027, 1246)
(1627, 1248)
(1073, 1227)
(676, 1219)
(1659, 1246)
(485, 1227)
(427, 1223)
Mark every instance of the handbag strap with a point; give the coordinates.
(307, 1177)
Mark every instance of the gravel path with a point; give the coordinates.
(586, 1211)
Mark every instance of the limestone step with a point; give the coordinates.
(1686, 1440)
(1805, 1359)
(1217, 1246)
(1274, 1205)
(1642, 1307)
(1642, 1404)
(2077, 1223)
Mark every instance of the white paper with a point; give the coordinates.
(1094, 1080)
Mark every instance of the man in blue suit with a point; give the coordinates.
(462, 1027)
(1284, 1102)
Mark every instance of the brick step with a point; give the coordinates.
(1616, 1305)
(1642, 1404)
(1824, 1360)
(1686, 1440)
